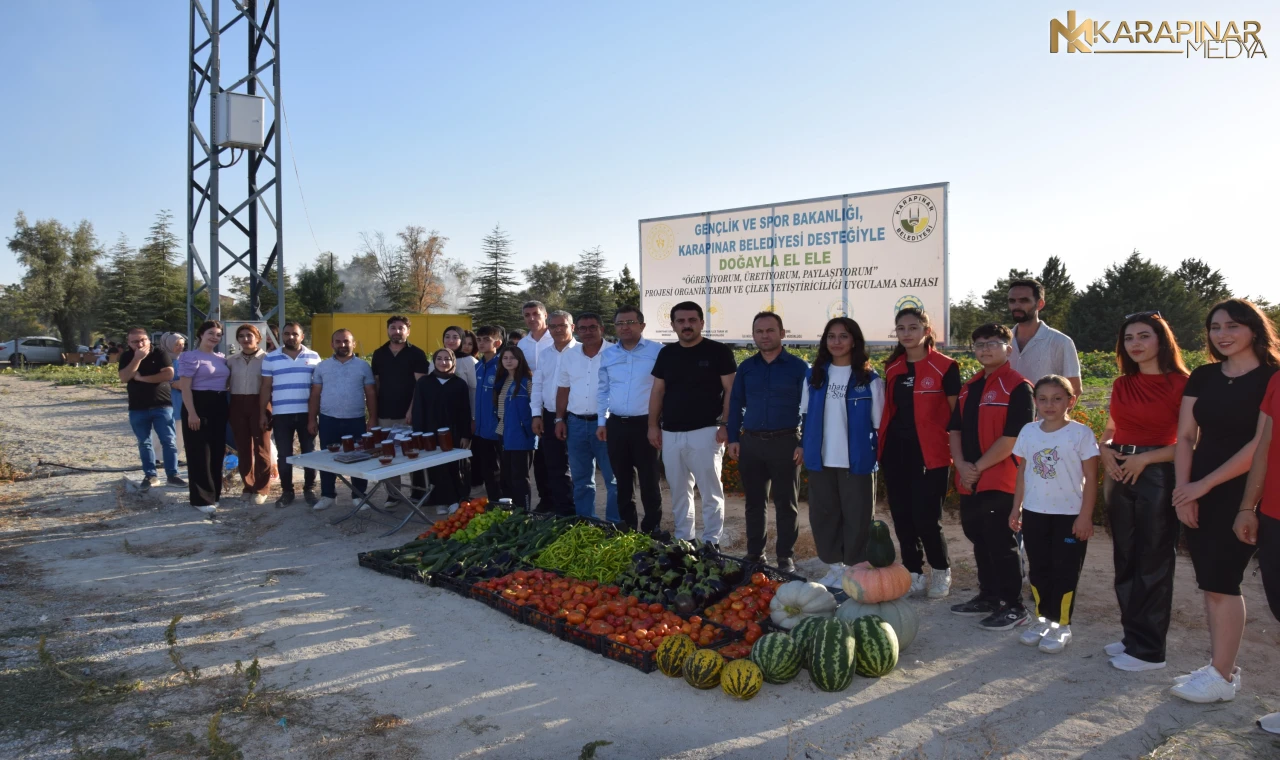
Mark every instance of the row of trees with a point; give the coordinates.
(1091, 316)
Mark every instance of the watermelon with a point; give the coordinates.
(831, 655)
(702, 668)
(741, 679)
(777, 655)
(802, 632)
(672, 653)
(876, 647)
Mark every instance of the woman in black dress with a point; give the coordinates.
(440, 401)
(1218, 430)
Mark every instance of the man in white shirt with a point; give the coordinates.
(284, 395)
(1038, 349)
(532, 344)
(542, 403)
(622, 396)
(577, 419)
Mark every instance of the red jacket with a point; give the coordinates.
(993, 410)
(933, 411)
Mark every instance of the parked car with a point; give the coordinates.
(34, 349)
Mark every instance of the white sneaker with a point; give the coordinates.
(1036, 631)
(259, 498)
(208, 509)
(1207, 686)
(1056, 639)
(1131, 664)
(453, 508)
(1235, 675)
(443, 509)
(939, 583)
(1270, 723)
(918, 582)
(834, 575)
(324, 503)
(1114, 648)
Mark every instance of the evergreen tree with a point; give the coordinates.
(1136, 284)
(626, 291)
(318, 289)
(1059, 292)
(162, 278)
(121, 301)
(594, 291)
(495, 301)
(1202, 281)
(995, 302)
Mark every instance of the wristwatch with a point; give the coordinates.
(559, 420)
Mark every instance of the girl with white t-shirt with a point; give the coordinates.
(840, 404)
(1053, 506)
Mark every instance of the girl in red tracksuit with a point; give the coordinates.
(915, 453)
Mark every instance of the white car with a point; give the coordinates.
(35, 349)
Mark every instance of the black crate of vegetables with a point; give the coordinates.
(683, 576)
(643, 661)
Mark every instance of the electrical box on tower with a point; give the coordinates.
(240, 121)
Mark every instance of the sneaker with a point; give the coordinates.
(174, 481)
(443, 509)
(1235, 675)
(787, 565)
(1031, 637)
(1207, 686)
(1131, 664)
(208, 509)
(323, 504)
(1056, 639)
(835, 574)
(918, 582)
(939, 583)
(1114, 648)
(714, 546)
(309, 495)
(1270, 723)
(1007, 617)
(286, 498)
(258, 498)
(147, 481)
(975, 607)
(453, 508)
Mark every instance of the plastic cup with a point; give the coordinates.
(334, 448)
(428, 441)
(411, 452)
(389, 448)
(348, 443)
(386, 460)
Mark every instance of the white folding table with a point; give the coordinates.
(380, 476)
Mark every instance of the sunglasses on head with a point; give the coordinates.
(1153, 313)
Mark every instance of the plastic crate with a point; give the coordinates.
(643, 661)
(449, 583)
(497, 601)
(366, 559)
(543, 622)
(588, 641)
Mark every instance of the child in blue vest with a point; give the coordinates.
(514, 423)
(841, 405)
(486, 445)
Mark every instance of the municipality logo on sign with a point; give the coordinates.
(1200, 39)
(914, 217)
(659, 242)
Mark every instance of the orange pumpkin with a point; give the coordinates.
(870, 585)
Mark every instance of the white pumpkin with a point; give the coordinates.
(796, 600)
(898, 613)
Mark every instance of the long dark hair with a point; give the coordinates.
(522, 372)
(898, 348)
(206, 326)
(1169, 355)
(1265, 344)
(475, 344)
(861, 362)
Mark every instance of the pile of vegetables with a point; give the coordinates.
(588, 552)
(745, 607)
(458, 520)
(479, 524)
(685, 576)
(510, 541)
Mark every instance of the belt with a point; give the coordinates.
(765, 435)
(632, 418)
(1128, 449)
(588, 417)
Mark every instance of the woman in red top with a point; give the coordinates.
(1137, 459)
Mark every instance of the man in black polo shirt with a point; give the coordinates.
(688, 408)
(146, 375)
(397, 366)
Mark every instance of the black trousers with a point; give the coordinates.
(765, 465)
(486, 462)
(1269, 560)
(1055, 557)
(556, 495)
(205, 447)
(915, 501)
(540, 474)
(515, 477)
(631, 457)
(984, 516)
(283, 429)
(1144, 535)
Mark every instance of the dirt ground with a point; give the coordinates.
(357, 665)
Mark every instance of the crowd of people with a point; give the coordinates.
(1182, 452)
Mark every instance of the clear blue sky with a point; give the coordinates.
(567, 123)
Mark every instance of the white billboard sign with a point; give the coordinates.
(862, 255)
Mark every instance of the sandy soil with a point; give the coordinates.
(358, 665)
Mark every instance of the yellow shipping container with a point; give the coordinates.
(370, 330)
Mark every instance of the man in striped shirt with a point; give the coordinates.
(286, 389)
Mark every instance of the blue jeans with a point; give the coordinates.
(161, 420)
(586, 452)
(331, 431)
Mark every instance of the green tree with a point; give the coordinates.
(995, 302)
(495, 301)
(121, 302)
(594, 290)
(18, 315)
(1136, 284)
(318, 288)
(162, 279)
(1202, 281)
(61, 277)
(1059, 292)
(549, 282)
(966, 316)
(625, 289)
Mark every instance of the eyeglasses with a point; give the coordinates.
(989, 344)
(1153, 313)
(626, 322)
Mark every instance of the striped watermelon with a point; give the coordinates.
(778, 656)
(702, 668)
(672, 653)
(876, 647)
(741, 679)
(831, 653)
(802, 634)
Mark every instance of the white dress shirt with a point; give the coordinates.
(543, 393)
(579, 373)
(533, 348)
(626, 379)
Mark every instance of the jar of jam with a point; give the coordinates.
(428, 441)
(445, 436)
(366, 441)
(389, 447)
(348, 443)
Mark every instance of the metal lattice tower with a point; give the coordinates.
(235, 231)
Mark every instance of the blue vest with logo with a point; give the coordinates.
(862, 434)
(486, 409)
(517, 427)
